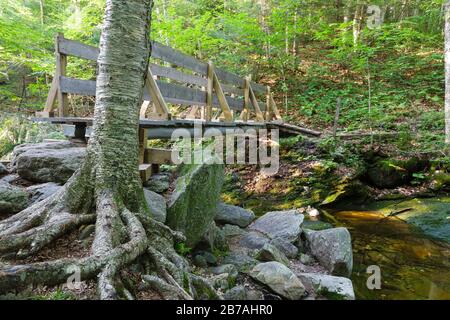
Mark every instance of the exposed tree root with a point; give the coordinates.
(120, 238)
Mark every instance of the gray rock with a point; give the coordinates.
(224, 268)
(270, 253)
(86, 232)
(279, 279)
(331, 287)
(254, 295)
(306, 259)
(54, 145)
(48, 162)
(192, 205)
(333, 249)
(222, 281)
(214, 239)
(232, 231)
(242, 261)
(9, 178)
(40, 192)
(209, 257)
(253, 240)
(228, 214)
(3, 169)
(236, 293)
(316, 225)
(157, 205)
(12, 198)
(280, 224)
(200, 261)
(158, 183)
(289, 250)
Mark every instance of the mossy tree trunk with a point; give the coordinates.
(106, 189)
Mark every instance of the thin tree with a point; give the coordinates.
(447, 72)
(106, 189)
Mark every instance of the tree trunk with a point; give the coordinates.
(357, 22)
(41, 7)
(447, 72)
(107, 188)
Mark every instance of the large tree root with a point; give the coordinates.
(121, 237)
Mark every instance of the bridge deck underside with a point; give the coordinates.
(163, 129)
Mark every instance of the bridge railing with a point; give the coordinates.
(212, 94)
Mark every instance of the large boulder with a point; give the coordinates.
(240, 260)
(228, 214)
(193, 203)
(279, 279)
(214, 239)
(253, 240)
(3, 169)
(391, 173)
(12, 198)
(48, 162)
(40, 192)
(159, 182)
(333, 249)
(285, 225)
(331, 287)
(271, 253)
(157, 205)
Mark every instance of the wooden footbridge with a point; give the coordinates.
(197, 92)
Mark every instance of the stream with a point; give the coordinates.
(414, 257)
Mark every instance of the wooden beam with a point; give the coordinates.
(172, 93)
(209, 91)
(159, 51)
(156, 96)
(254, 101)
(143, 141)
(268, 113)
(222, 99)
(77, 49)
(61, 66)
(52, 95)
(246, 112)
(158, 156)
(275, 110)
(144, 108)
(145, 171)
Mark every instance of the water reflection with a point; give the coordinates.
(413, 266)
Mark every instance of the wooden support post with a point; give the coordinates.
(61, 68)
(259, 114)
(143, 139)
(51, 99)
(80, 131)
(144, 108)
(145, 170)
(158, 156)
(226, 111)
(209, 92)
(268, 113)
(157, 98)
(275, 108)
(245, 112)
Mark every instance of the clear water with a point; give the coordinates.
(413, 265)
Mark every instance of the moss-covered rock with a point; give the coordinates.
(12, 199)
(391, 173)
(193, 203)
